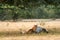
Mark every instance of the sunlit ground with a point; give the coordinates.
(11, 31)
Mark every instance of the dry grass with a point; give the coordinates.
(47, 37)
(12, 30)
(16, 26)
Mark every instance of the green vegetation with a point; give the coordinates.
(29, 9)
